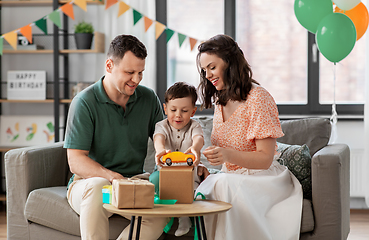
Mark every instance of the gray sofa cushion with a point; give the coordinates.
(49, 207)
(298, 160)
(307, 218)
(41, 202)
(314, 132)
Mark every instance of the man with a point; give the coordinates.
(106, 138)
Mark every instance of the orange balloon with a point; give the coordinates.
(359, 16)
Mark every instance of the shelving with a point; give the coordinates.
(41, 51)
(40, 3)
(35, 101)
(99, 43)
(60, 48)
(58, 53)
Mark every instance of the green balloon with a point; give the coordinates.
(309, 13)
(336, 36)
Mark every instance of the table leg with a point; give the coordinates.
(138, 228)
(203, 228)
(198, 228)
(131, 228)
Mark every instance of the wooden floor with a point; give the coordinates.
(359, 226)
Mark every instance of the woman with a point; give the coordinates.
(266, 197)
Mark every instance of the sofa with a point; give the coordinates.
(36, 179)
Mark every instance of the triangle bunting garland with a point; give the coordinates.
(148, 23)
(192, 42)
(159, 29)
(136, 16)
(55, 18)
(110, 3)
(67, 9)
(82, 4)
(11, 38)
(181, 38)
(26, 31)
(169, 33)
(41, 24)
(123, 7)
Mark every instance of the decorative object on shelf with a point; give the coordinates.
(83, 34)
(26, 130)
(26, 85)
(24, 43)
(22, 40)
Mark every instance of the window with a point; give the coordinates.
(349, 74)
(274, 43)
(187, 17)
(282, 54)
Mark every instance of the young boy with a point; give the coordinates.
(179, 132)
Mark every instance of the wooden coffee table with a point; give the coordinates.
(198, 208)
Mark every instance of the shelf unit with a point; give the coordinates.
(58, 52)
(98, 47)
(27, 3)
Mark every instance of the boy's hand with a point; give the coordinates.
(159, 155)
(195, 153)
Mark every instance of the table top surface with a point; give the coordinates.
(197, 208)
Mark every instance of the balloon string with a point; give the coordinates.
(333, 118)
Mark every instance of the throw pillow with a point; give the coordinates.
(298, 160)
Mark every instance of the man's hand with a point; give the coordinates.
(85, 167)
(114, 175)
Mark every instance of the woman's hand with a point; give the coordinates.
(216, 155)
(159, 155)
(262, 158)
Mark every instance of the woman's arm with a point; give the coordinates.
(262, 158)
(83, 166)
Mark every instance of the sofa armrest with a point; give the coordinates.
(331, 192)
(27, 169)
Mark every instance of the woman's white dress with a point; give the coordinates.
(266, 204)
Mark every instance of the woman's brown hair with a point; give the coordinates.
(237, 75)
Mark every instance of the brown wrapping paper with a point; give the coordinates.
(133, 193)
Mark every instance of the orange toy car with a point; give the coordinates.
(177, 157)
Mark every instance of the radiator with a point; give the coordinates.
(357, 169)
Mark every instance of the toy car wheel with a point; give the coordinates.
(189, 161)
(168, 161)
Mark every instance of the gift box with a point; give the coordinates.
(177, 182)
(132, 193)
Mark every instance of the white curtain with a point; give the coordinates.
(91, 66)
